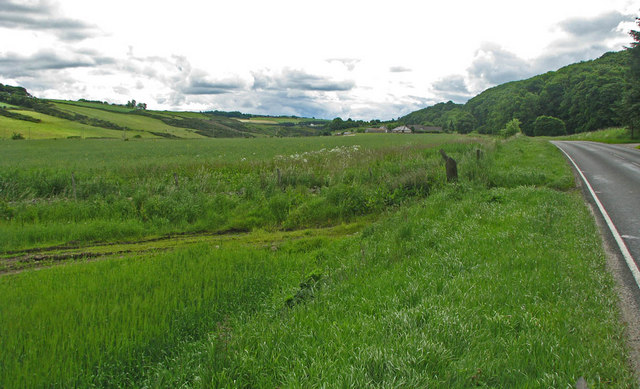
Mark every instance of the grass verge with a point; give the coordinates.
(609, 135)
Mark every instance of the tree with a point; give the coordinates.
(631, 102)
(549, 126)
(512, 128)
(465, 123)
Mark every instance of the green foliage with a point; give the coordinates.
(631, 102)
(512, 128)
(465, 123)
(50, 109)
(548, 126)
(338, 124)
(6, 90)
(18, 116)
(608, 135)
(17, 136)
(586, 96)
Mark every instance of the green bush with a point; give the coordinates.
(548, 126)
(17, 136)
(511, 128)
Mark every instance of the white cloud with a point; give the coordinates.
(356, 59)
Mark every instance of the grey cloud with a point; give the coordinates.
(587, 38)
(493, 65)
(299, 80)
(280, 101)
(272, 102)
(201, 86)
(454, 83)
(562, 57)
(600, 26)
(13, 65)
(121, 90)
(453, 87)
(399, 69)
(43, 16)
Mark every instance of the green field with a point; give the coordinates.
(61, 119)
(53, 127)
(133, 122)
(128, 189)
(301, 262)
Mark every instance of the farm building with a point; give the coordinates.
(380, 130)
(402, 130)
(427, 129)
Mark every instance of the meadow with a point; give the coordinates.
(496, 280)
(126, 190)
(52, 127)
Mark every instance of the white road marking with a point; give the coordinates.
(614, 231)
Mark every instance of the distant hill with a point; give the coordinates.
(29, 117)
(585, 95)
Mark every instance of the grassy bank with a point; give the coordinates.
(498, 280)
(609, 135)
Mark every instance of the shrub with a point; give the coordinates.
(548, 126)
(17, 136)
(511, 128)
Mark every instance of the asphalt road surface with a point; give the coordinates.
(613, 173)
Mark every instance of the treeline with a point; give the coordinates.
(230, 114)
(219, 128)
(18, 116)
(586, 96)
(6, 90)
(338, 124)
(450, 116)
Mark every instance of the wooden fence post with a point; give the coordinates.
(279, 174)
(451, 165)
(73, 185)
(175, 180)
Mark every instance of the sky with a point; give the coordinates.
(333, 58)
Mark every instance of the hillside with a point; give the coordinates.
(584, 95)
(24, 116)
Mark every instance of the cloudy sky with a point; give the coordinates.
(348, 58)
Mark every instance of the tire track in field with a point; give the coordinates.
(17, 261)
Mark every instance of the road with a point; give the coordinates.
(613, 173)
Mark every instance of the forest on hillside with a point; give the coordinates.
(586, 96)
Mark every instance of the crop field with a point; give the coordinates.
(88, 104)
(301, 262)
(53, 127)
(134, 122)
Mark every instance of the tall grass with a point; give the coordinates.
(499, 288)
(103, 323)
(608, 135)
(497, 281)
(40, 205)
